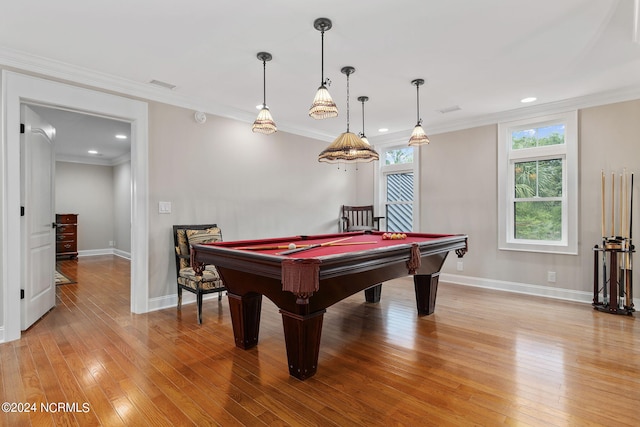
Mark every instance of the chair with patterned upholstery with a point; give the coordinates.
(358, 218)
(209, 281)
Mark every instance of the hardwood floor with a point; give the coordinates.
(484, 358)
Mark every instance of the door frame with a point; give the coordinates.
(19, 88)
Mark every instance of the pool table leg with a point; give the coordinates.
(373, 293)
(302, 338)
(426, 286)
(245, 318)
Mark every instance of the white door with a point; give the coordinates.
(37, 230)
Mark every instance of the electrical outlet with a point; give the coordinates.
(551, 276)
(460, 266)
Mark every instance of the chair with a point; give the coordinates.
(209, 281)
(358, 218)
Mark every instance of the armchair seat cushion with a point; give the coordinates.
(210, 278)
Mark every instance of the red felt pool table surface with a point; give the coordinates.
(335, 244)
(304, 284)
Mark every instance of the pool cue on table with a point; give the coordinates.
(293, 251)
(264, 248)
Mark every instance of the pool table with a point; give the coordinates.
(320, 271)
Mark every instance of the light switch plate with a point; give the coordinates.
(164, 207)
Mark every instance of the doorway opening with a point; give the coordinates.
(19, 89)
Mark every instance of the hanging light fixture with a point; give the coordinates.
(348, 147)
(323, 106)
(264, 122)
(362, 136)
(418, 137)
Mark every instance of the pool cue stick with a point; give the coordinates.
(629, 277)
(621, 225)
(264, 248)
(293, 251)
(603, 201)
(613, 203)
(604, 242)
(352, 243)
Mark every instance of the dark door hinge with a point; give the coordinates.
(21, 210)
(21, 293)
(21, 127)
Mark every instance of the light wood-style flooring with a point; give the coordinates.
(484, 358)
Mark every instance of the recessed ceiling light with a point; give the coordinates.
(529, 99)
(383, 130)
(92, 152)
(121, 136)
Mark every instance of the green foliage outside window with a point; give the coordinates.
(399, 156)
(538, 179)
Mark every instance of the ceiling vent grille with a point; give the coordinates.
(162, 84)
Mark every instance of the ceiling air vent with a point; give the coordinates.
(162, 84)
(450, 109)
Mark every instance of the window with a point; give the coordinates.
(399, 201)
(398, 188)
(537, 184)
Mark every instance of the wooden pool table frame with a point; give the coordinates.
(248, 275)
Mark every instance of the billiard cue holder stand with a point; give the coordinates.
(613, 286)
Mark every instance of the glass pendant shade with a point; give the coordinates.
(364, 139)
(348, 148)
(323, 106)
(264, 122)
(418, 137)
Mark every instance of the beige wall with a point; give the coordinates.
(122, 207)
(259, 186)
(459, 194)
(251, 185)
(87, 190)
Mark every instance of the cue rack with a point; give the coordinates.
(613, 285)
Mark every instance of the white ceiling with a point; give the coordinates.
(483, 56)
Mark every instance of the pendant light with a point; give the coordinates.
(418, 137)
(264, 122)
(323, 106)
(348, 147)
(363, 137)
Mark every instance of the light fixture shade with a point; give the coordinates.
(264, 122)
(348, 148)
(323, 106)
(365, 140)
(418, 137)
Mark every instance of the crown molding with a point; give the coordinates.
(20, 61)
(628, 93)
(96, 79)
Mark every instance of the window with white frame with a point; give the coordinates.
(538, 184)
(398, 188)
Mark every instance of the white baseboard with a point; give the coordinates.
(105, 251)
(522, 288)
(170, 301)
